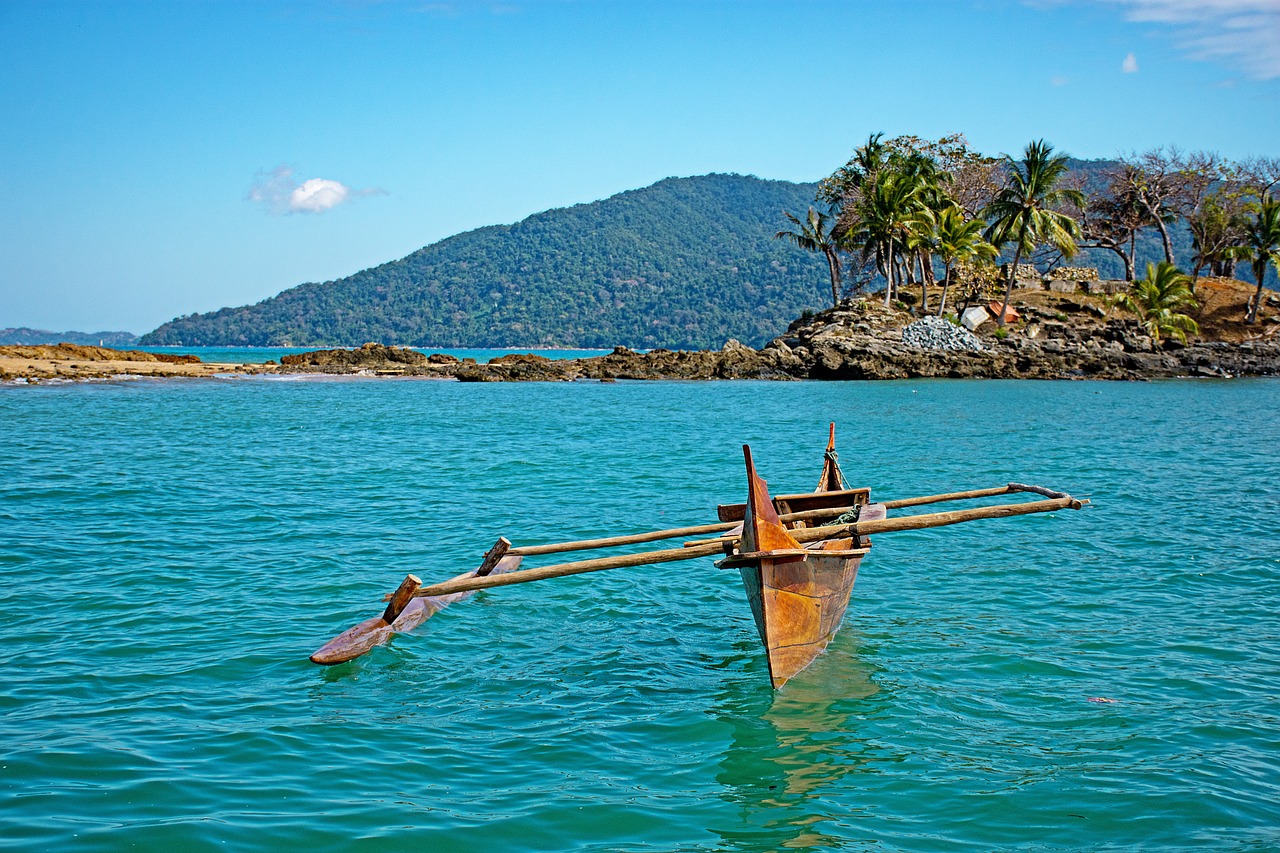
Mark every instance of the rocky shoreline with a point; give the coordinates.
(861, 340)
(73, 362)
(1056, 337)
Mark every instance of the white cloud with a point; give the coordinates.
(281, 192)
(316, 195)
(1130, 64)
(1242, 34)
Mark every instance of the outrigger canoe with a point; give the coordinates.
(798, 555)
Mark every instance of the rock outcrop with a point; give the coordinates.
(373, 357)
(1073, 339)
(66, 351)
(1057, 336)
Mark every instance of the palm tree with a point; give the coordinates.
(1262, 247)
(886, 215)
(817, 234)
(931, 200)
(1157, 298)
(958, 239)
(1023, 210)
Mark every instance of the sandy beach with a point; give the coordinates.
(70, 361)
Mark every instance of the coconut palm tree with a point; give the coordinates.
(1023, 212)
(931, 199)
(884, 220)
(1157, 299)
(1262, 247)
(958, 239)
(922, 243)
(817, 233)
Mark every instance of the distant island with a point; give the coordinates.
(36, 337)
(689, 263)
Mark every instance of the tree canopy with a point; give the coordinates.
(687, 262)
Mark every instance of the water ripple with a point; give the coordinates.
(171, 552)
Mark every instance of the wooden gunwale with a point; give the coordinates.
(738, 560)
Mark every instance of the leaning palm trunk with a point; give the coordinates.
(1259, 272)
(888, 265)
(946, 285)
(926, 279)
(1164, 238)
(833, 266)
(1013, 273)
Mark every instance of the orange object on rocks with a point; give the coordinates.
(1010, 316)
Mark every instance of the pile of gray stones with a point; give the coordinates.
(935, 333)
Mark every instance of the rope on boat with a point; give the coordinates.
(835, 463)
(849, 517)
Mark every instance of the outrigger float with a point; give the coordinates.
(798, 556)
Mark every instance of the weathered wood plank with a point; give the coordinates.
(1039, 490)
(499, 550)
(560, 570)
(948, 496)
(616, 541)
(802, 507)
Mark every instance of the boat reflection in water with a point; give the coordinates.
(791, 748)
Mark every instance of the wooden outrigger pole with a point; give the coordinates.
(798, 577)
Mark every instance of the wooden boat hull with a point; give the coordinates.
(798, 605)
(798, 594)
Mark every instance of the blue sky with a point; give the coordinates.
(158, 159)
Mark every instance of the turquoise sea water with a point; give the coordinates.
(258, 355)
(171, 552)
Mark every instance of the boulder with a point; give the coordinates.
(368, 357)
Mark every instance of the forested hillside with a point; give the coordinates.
(685, 263)
(35, 337)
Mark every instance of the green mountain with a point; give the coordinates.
(35, 337)
(685, 263)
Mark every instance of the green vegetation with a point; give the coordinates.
(1157, 299)
(959, 240)
(817, 233)
(1261, 246)
(1024, 212)
(903, 204)
(906, 205)
(36, 337)
(687, 262)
